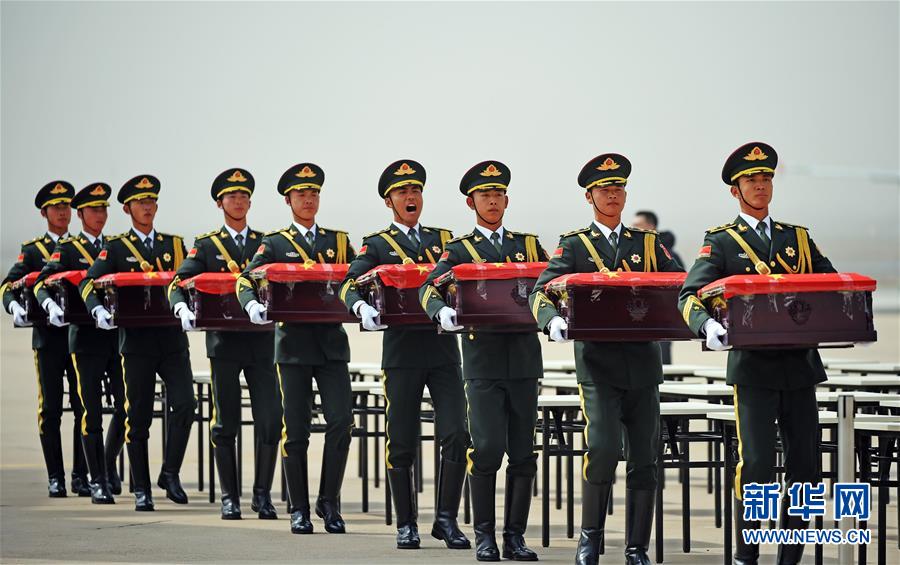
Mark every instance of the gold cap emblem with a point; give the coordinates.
(404, 169)
(98, 191)
(491, 171)
(608, 165)
(58, 189)
(145, 183)
(237, 176)
(306, 173)
(755, 154)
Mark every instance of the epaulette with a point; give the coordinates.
(35, 240)
(721, 228)
(275, 232)
(117, 236)
(787, 225)
(207, 234)
(67, 239)
(460, 238)
(439, 230)
(523, 234)
(654, 232)
(172, 235)
(374, 233)
(323, 228)
(575, 232)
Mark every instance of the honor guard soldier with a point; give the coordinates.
(769, 384)
(50, 344)
(304, 352)
(501, 370)
(413, 358)
(148, 351)
(229, 249)
(95, 352)
(618, 381)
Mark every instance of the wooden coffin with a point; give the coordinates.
(63, 287)
(491, 296)
(620, 306)
(23, 291)
(213, 299)
(303, 292)
(788, 311)
(138, 300)
(393, 290)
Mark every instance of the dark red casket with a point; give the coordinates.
(792, 310)
(303, 292)
(491, 296)
(620, 306)
(393, 290)
(138, 300)
(23, 292)
(63, 287)
(213, 299)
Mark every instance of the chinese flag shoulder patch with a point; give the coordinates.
(705, 251)
(666, 251)
(261, 248)
(193, 252)
(558, 252)
(362, 250)
(444, 256)
(20, 258)
(56, 256)
(102, 255)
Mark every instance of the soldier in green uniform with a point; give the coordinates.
(769, 384)
(304, 352)
(412, 358)
(148, 351)
(618, 381)
(95, 352)
(50, 344)
(229, 249)
(501, 370)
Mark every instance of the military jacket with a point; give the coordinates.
(126, 253)
(522, 358)
(217, 252)
(404, 347)
(735, 249)
(302, 344)
(626, 365)
(77, 254)
(33, 256)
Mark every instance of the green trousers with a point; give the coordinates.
(403, 392)
(333, 381)
(756, 412)
(502, 415)
(265, 401)
(609, 412)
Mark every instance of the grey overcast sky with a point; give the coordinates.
(105, 91)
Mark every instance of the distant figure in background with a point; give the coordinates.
(647, 220)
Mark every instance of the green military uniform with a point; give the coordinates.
(230, 353)
(149, 351)
(501, 372)
(304, 352)
(95, 357)
(51, 357)
(769, 384)
(412, 358)
(618, 381)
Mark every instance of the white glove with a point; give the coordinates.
(447, 319)
(103, 318)
(186, 316)
(369, 316)
(54, 313)
(558, 328)
(716, 335)
(18, 313)
(257, 313)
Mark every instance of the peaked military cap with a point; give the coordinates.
(141, 186)
(401, 173)
(749, 159)
(608, 169)
(487, 175)
(299, 177)
(232, 180)
(93, 195)
(54, 192)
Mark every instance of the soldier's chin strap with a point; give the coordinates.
(594, 204)
(744, 200)
(480, 217)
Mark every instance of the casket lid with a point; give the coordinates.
(212, 283)
(410, 275)
(742, 285)
(161, 278)
(494, 271)
(301, 272)
(28, 280)
(74, 277)
(617, 278)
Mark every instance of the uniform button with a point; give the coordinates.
(420, 257)
(747, 269)
(772, 263)
(471, 336)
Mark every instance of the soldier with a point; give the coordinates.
(769, 384)
(148, 351)
(229, 249)
(501, 370)
(49, 343)
(618, 381)
(95, 352)
(411, 358)
(304, 352)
